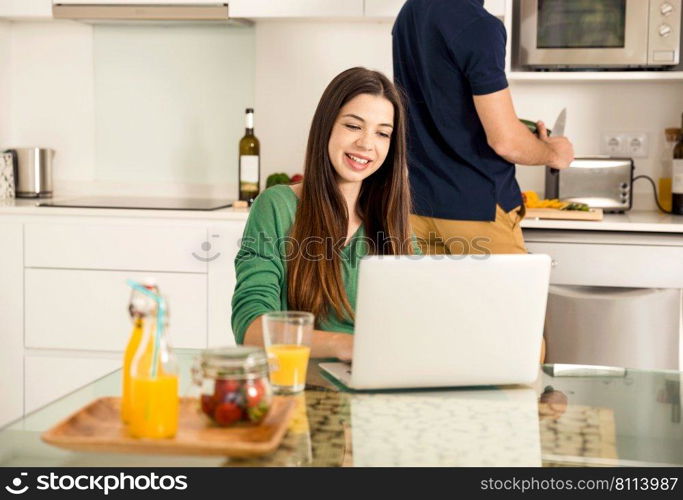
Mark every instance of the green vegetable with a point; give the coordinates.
(532, 126)
(577, 206)
(257, 413)
(279, 178)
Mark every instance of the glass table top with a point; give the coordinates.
(629, 418)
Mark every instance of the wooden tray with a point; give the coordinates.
(554, 213)
(98, 427)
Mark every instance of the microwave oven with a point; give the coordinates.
(602, 34)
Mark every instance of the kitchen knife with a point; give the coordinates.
(558, 131)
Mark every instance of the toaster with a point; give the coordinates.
(598, 181)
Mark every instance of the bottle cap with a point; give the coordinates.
(672, 133)
(249, 110)
(238, 361)
(149, 282)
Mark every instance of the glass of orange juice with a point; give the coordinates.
(287, 338)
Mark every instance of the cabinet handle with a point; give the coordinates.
(553, 263)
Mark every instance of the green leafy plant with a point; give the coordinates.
(278, 178)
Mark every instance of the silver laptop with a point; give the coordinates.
(447, 321)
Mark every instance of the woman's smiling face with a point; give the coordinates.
(361, 136)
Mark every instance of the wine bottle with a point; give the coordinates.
(249, 161)
(677, 178)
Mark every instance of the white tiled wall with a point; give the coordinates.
(295, 60)
(294, 63)
(51, 95)
(121, 104)
(170, 102)
(5, 43)
(594, 107)
(160, 106)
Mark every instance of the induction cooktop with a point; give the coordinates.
(140, 203)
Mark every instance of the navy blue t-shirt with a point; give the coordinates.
(446, 51)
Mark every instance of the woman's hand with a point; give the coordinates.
(342, 346)
(323, 344)
(552, 404)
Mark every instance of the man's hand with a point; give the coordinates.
(561, 147)
(511, 140)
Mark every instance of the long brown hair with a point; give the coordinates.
(383, 205)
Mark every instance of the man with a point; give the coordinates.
(464, 135)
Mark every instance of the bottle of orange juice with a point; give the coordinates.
(153, 400)
(140, 307)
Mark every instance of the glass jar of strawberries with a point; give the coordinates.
(233, 384)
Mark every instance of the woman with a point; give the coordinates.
(302, 243)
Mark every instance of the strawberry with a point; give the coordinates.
(227, 413)
(226, 391)
(254, 392)
(208, 404)
(223, 386)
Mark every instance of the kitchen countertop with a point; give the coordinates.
(631, 418)
(20, 207)
(633, 221)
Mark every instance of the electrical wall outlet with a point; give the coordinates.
(628, 144)
(612, 144)
(636, 145)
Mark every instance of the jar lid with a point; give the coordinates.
(233, 361)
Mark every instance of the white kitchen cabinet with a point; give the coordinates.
(64, 298)
(613, 265)
(51, 376)
(596, 258)
(295, 8)
(88, 310)
(11, 321)
(139, 2)
(145, 245)
(26, 9)
(388, 9)
(225, 240)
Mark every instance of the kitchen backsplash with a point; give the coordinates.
(304, 56)
(596, 107)
(150, 109)
(5, 44)
(170, 100)
(162, 106)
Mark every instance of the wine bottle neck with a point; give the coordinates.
(250, 122)
(249, 131)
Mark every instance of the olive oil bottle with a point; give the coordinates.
(671, 138)
(677, 178)
(249, 161)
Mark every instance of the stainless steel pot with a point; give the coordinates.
(32, 172)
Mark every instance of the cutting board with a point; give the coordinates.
(97, 427)
(594, 214)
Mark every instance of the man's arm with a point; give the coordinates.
(513, 141)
